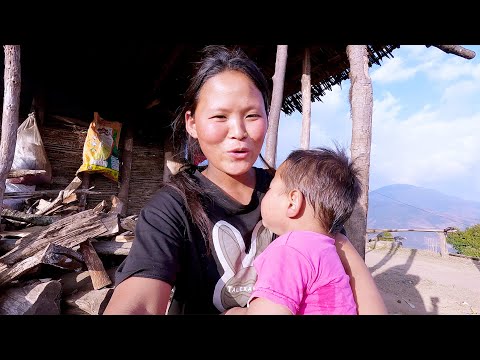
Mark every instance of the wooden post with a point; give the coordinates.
(361, 102)
(443, 243)
(276, 105)
(11, 107)
(125, 169)
(306, 101)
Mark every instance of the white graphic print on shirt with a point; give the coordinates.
(236, 284)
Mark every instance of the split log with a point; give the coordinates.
(91, 302)
(62, 195)
(129, 223)
(118, 206)
(68, 232)
(95, 267)
(276, 105)
(63, 258)
(128, 236)
(101, 247)
(30, 253)
(79, 296)
(37, 298)
(29, 218)
(10, 114)
(19, 173)
(112, 247)
(80, 282)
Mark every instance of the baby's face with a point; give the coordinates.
(274, 206)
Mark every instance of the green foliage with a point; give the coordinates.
(385, 236)
(466, 242)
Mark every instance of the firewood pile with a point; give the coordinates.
(57, 257)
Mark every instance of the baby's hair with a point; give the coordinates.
(328, 180)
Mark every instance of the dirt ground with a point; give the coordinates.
(421, 282)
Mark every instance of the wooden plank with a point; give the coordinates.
(19, 173)
(99, 276)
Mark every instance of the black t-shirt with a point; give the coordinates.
(169, 247)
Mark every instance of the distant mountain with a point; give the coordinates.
(408, 206)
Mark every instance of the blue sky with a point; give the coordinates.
(426, 121)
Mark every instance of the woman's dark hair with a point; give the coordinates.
(215, 60)
(328, 180)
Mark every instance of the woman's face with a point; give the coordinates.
(230, 123)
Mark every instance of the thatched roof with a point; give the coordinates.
(143, 83)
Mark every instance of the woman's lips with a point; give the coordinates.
(239, 154)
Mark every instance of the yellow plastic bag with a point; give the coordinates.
(100, 150)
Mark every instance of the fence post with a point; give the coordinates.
(443, 244)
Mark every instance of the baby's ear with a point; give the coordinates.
(295, 203)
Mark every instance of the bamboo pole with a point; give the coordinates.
(306, 101)
(276, 105)
(11, 106)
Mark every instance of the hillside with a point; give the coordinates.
(408, 207)
(411, 206)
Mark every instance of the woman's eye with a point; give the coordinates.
(253, 116)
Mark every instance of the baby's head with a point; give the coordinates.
(325, 180)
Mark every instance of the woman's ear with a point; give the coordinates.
(190, 124)
(295, 203)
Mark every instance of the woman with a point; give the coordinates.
(200, 233)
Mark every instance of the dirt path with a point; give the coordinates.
(421, 282)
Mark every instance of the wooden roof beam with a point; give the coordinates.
(456, 50)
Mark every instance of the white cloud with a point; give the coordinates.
(393, 70)
(425, 149)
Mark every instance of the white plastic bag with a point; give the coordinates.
(30, 154)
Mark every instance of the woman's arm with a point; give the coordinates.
(260, 306)
(367, 296)
(139, 296)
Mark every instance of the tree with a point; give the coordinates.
(466, 242)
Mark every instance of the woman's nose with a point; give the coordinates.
(238, 130)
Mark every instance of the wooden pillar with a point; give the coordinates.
(125, 168)
(361, 103)
(306, 101)
(11, 105)
(276, 105)
(443, 243)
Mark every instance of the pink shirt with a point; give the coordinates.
(302, 271)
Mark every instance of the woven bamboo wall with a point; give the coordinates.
(64, 147)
